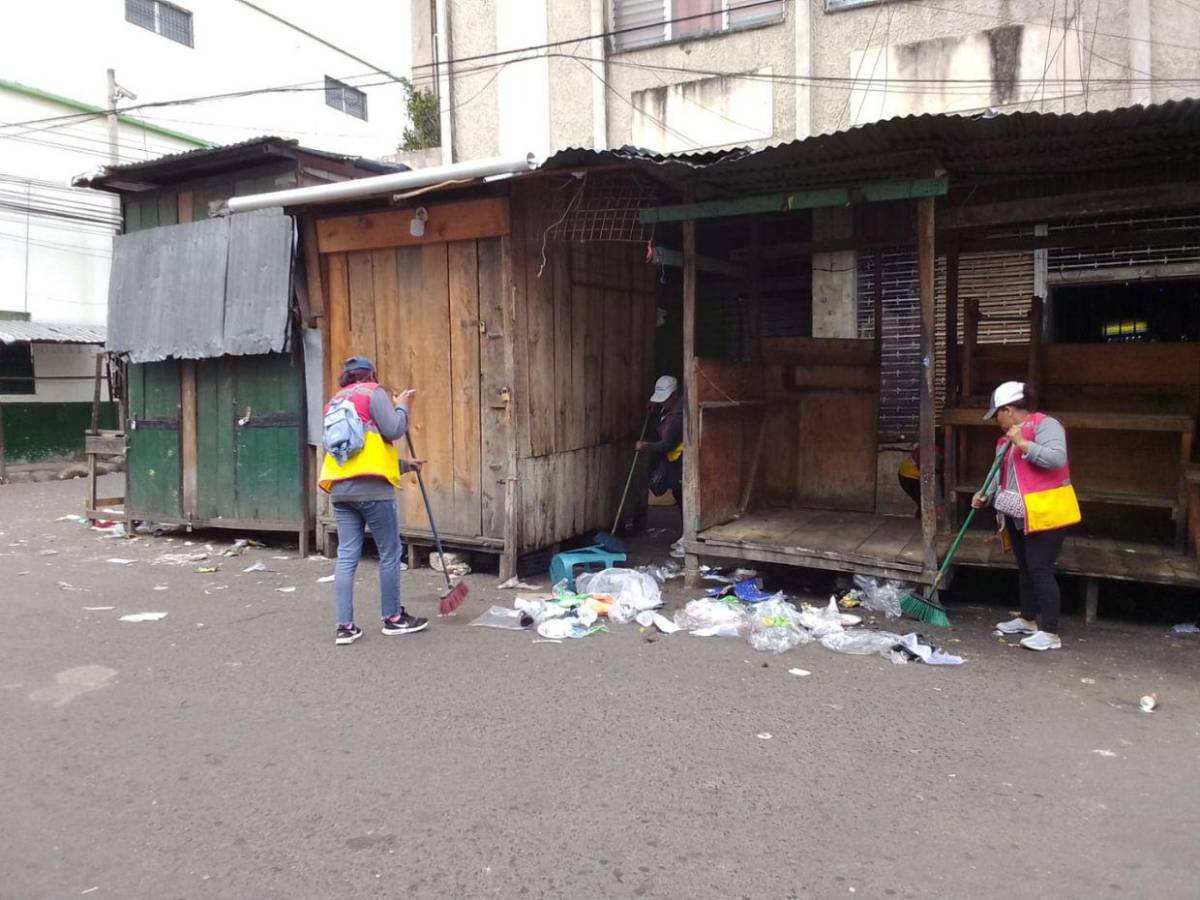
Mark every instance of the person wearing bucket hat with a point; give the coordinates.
(361, 474)
(1035, 503)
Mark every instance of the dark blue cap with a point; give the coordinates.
(358, 362)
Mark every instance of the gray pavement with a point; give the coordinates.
(231, 750)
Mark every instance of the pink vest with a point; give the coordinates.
(360, 395)
(1031, 478)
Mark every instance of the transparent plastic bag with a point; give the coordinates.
(539, 610)
(503, 618)
(822, 620)
(880, 596)
(861, 643)
(627, 587)
(708, 617)
(775, 626)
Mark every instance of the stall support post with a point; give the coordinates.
(691, 419)
(928, 461)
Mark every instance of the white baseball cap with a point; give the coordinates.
(1009, 392)
(663, 389)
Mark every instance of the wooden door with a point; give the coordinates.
(154, 485)
(248, 415)
(431, 317)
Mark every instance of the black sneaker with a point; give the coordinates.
(404, 624)
(348, 634)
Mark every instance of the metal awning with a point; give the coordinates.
(13, 332)
(202, 289)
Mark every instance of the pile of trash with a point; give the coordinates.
(619, 596)
(737, 608)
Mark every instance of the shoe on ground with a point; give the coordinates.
(1041, 640)
(404, 624)
(1016, 626)
(677, 551)
(348, 634)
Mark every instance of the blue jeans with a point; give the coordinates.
(353, 518)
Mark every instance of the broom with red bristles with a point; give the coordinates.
(454, 596)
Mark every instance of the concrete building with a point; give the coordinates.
(267, 67)
(690, 75)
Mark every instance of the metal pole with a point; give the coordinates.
(3, 453)
(113, 125)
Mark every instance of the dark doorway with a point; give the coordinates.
(1125, 311)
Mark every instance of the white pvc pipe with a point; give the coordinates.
(382, 184)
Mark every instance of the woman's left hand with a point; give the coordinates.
(414, 465)
(1017, 437)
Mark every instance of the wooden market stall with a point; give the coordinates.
(995, 216)
(201, 316)
(530, 346)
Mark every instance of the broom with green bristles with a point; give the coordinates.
(927, 609)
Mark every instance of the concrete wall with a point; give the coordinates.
(1022, 62)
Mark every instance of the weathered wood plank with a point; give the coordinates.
(338, 326)
(362, 305)
(594, 347)
(563, 387)
(464, 386)
(928, 414)
(539, 318)
(465, 220)
(433, 416)
(577, 413)
(493, 408)
(312, 266)
(691, 430)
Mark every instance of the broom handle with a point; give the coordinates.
(629, 478)
(987, 483)
(429, 512)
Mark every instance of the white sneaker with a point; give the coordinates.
(1041, 640)
(677, 549)
(1016, 626)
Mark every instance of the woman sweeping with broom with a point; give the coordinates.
(1034, 503)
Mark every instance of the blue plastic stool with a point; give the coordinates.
(563, 564)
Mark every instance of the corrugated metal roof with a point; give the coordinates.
(204, 159)
(50, 333)
(967, 147)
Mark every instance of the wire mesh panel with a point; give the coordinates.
(1075, 259)
(603, 208)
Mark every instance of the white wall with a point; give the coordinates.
(55, 242)
(64, 373)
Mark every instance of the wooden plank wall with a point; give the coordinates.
(586, 363)
(729, 434)
(822, 416)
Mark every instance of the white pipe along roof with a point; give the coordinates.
(381, 184)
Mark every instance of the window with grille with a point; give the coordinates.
(349, 100)
(643, 23)
(16, 368)
(835, 5)
(161, 18)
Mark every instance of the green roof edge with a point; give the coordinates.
(29, 91)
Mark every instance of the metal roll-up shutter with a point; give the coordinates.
(1001, 283)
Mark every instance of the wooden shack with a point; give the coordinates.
(961, 238)
(202, 311)
(531, 352)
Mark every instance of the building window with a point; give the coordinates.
(836, 5)
(349, 100)
(161, 18)
(643, 23)
(16, 368)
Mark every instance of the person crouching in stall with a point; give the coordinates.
(1035, 504)
(666, 454)
(909, 475)
(360, 472)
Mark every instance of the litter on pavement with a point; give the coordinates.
(1186, 628)
(144, 617)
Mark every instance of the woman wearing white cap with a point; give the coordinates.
(1035, 503)
(666, 454)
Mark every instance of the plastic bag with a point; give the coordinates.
(861, 643)
(507, 619)
(627, 587)
(539, 610)
(664, 573)
(557, 629)
(775, 626)
(880, 596)
(708, 618)
(822, 620)
(916, 646)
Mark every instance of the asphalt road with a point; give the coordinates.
(231, 750)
